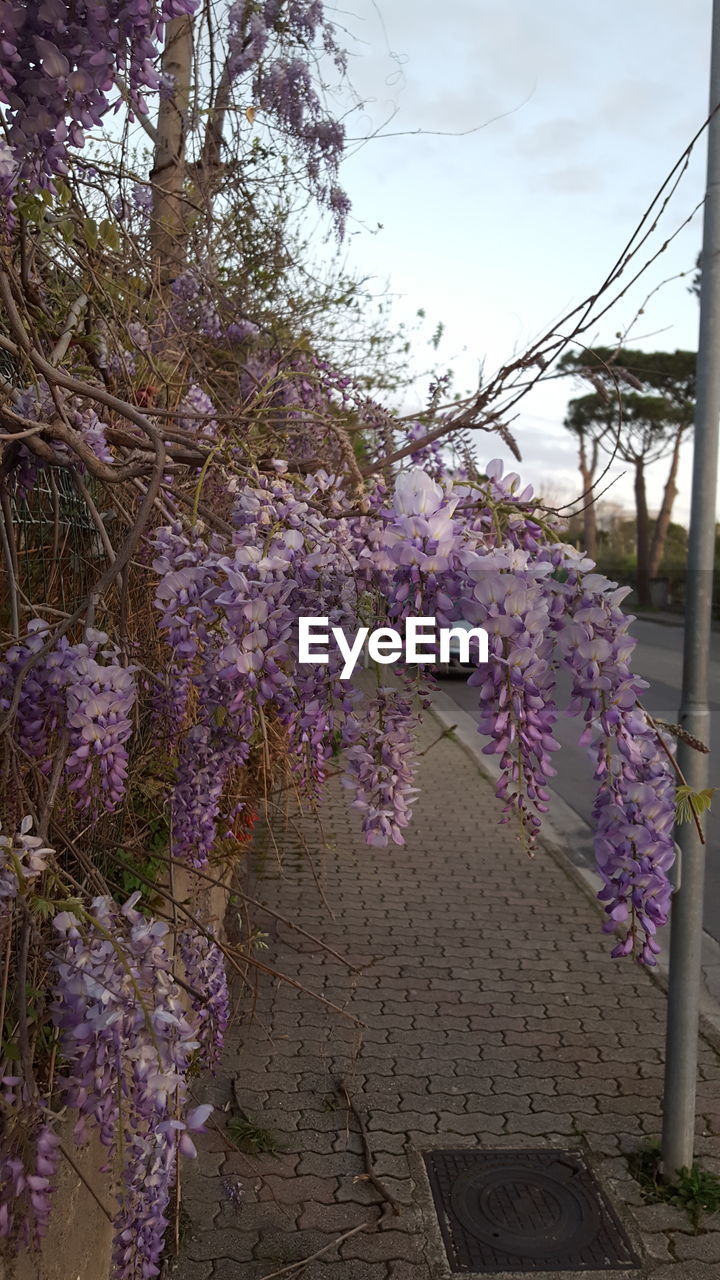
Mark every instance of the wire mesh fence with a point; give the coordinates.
(57, 544)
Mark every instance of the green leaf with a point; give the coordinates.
(689, 803)
(42, 907)
(109, 234)
(31, 208)
(91, 233)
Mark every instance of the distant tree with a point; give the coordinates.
(641, 426)
(584, 427)
(676, 549)
(640, 437)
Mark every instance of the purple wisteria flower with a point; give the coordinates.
(8, 182)
(84, 691)
(194, 305)
(23, 857)
(59, 67)
(142, 198)
(380, 767)
(204, 966)
(197, 401)
(241, 331)
(29, 1160)
(281, 82)
(127, 1043)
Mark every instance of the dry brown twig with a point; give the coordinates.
(369, 1158)
(320, 1253)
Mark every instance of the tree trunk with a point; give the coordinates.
(662, 523)
(587, 472)
(642, 536)
(167, 229)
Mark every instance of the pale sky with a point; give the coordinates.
(497, 233)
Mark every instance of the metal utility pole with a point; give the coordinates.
(687, 907)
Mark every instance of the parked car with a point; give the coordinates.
(455, 666)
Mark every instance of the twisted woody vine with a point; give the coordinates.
(158, 374)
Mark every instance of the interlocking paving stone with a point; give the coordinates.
(185, 1269)
(493, 1014)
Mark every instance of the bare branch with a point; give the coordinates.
(75, 313)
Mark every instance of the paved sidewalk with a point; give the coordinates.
(571, 836)
(492, 1016)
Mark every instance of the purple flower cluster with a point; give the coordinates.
(142, 198)
(22, 858)
(283, 85)
(241, 331)
(380, 767)
(541, 606)
(194, 306)
(635, 806)
(437, 565)
(29, 1161)
(58, 69)
(205, 973)
(138, 335)
(229, 615)
(247, 38)
(517, 706)
(42, 700)
(99, 704)
(83, 690)
(93, 430)
(185, 567)
(127, 1044)
(36, 403)
(209, 752)
(231, 621)
(286, 91)
(198, 401)
(417, 553)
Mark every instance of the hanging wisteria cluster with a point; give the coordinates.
(270, 42)
(235, 616)
(29, 1161)
(127, 1043)
(59, 69)
(204, 966)
(62, 70)
(78, 698)
(229, 614)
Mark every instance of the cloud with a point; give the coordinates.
(577, 179)
(500, 231)
(559, 134)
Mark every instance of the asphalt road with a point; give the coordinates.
(658, 658)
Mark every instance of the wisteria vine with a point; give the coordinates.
(227, 610)
(223, 468)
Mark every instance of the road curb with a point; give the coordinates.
(568, 839)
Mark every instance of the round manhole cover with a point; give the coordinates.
(525, 1211)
